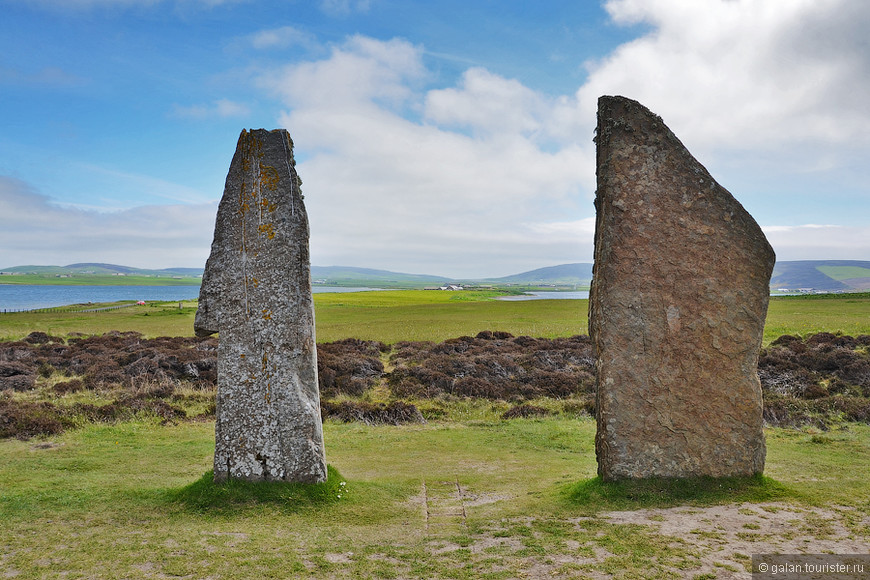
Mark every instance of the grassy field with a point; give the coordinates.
(134, 501)
(391, 316)
(803, 315)
(466, 495)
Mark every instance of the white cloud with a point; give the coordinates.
(386, 190)
(221, 109)
(358, 75)
(565, 231)
(488, 104)
(819, 242)
(33, 230)
(744, 74)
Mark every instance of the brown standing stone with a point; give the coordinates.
(677, 307)
(256, 292)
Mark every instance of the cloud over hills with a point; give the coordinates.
(33, 230)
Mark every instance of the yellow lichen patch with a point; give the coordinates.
(268, 230)
(267, 205)
(269, 176)
(243, 204)
(250, 147)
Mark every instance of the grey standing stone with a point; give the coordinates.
(677, 307)
(256, 292)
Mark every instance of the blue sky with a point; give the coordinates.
(447, 137)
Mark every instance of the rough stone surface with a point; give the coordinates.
(677, 307)
(256, 292)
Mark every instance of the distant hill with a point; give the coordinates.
(812, 275)
(112, 268)
(565, 274)
(825, 275)
(815, 275)
(98, 269)
(344, 275)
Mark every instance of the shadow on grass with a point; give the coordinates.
(597, 495)
(234, 495)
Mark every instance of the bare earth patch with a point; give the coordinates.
(689, 542)
(728, 535)
(343, 558)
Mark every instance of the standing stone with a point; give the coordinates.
(256, 292)
(677, 308)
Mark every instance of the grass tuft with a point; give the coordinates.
(632, 494)
(235, 495)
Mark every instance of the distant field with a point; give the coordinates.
(844, 272)
(392, 316)
(803, 315)
(98, 280)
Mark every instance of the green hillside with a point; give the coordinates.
(822, 275)
(99, 274)
(348, 276)
(579, 274)
(844, 272)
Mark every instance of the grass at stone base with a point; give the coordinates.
(233, 496)
(134, 500)
(664, 492)
(432, 315)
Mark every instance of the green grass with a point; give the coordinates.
(663, 492)
(391, 316)
(155, 319)
(421, 315)
(824, 468)
(136, 500)
(204, 496)
(804, 315)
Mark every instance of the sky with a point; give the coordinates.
(445, 137)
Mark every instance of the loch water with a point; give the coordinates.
(17, 297)
(14, 297)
